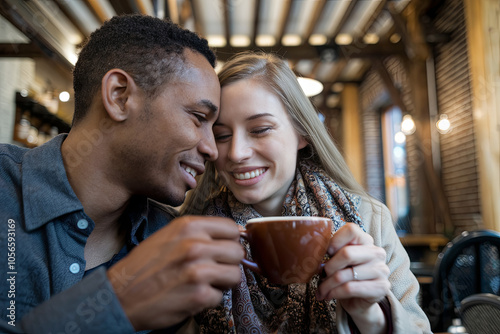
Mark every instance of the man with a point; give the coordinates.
(76, 211)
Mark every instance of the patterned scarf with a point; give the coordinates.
(257, 306)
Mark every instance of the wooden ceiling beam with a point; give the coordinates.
(20, 50)
(314, 69)
(103, 10)
(125, 7)
(320, 6)
(337, 71)
(187, 10)
(345, 17)
(411, 32)
(375, 15)
(380, 50)
(34, 36)
(256, 19)
(287, 9)
(289, 52)
(227, 20)
(332, 78)
(394, 92)
(312, 52)
(173, 11)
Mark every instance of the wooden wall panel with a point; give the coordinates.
(370, 95)
(459, 162)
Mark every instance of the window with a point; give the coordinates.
(395, 169)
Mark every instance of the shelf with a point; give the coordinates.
(38, 110)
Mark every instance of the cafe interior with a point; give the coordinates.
(408, 89)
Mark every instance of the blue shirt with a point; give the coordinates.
(43, 232)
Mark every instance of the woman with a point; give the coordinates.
(276, 158)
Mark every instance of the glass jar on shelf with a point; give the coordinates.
(22, 128)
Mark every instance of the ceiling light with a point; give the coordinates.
(343, 39)
(371, 39)
(317, 39)
(64, 96)
(240, 40)
(265, 40)
(395, 38)
(310, 87)
(443, 124)
(399, 137)
(408, 125)
(216, 41)
(332, 100)
(337, 87)
(291, 40)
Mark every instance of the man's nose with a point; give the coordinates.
(208, 148)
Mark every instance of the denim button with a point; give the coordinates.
(82, 224)
(74, 268)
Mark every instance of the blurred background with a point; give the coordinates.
(409, 89)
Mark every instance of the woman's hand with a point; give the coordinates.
(357, 276)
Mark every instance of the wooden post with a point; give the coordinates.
(428, 190)
(483, 28)
(351, 131)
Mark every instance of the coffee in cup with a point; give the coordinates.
(287, 249)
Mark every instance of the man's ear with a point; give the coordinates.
(119, 92)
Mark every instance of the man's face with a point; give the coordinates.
(168, 141)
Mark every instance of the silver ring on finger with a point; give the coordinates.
(354, 274)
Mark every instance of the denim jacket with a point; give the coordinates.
(43, 232)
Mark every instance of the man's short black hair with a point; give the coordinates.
(147, 48)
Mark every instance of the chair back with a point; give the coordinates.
(468, 265)
(480, 314)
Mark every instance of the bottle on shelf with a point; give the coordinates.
(22, 128)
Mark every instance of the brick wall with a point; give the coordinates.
(15, 74)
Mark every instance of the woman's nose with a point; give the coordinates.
(240, 148)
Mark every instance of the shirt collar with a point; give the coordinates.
(137, 215)
(47, 193)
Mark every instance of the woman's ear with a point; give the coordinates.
(118, 91)
(302, 143)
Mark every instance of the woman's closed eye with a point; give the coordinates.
(261, 130)
(222, 137)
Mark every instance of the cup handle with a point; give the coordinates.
(321, 268)
(246, 262)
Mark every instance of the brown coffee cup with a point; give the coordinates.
(287, 250)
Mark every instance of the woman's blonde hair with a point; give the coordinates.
(275, 74)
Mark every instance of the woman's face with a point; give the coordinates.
(257, 145)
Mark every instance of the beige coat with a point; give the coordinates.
(407, 315)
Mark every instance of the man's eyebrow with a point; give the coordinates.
(209, 105)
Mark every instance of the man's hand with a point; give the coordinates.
(179, 271)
